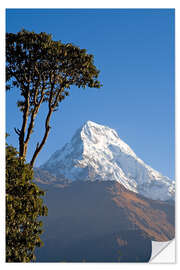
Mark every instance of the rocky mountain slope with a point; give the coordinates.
(102, 221)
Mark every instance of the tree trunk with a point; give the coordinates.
(40, 146)
(23, 129)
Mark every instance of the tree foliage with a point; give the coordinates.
(44, 70)
(23, 207)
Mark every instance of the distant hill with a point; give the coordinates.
(102, 221)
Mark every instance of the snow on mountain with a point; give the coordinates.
(96, 152)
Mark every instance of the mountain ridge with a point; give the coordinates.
(94, 221)
(96, 153)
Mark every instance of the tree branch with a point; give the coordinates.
(61, 89)
(18, 132)
(24, 124)
(33, 115)
(39, 146)
(47, 127)
(57, 97)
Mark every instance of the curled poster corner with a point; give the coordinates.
(163, 252)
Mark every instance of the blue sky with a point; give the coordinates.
(134, 50)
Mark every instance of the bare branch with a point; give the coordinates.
(34, 113)
(24, 124)
(47, 127)
(17, 131)
(57, 97)
(40, 146)
(61, 89)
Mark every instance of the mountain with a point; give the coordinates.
(96, 152)
(102, 221)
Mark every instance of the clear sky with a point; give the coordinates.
(134, 50)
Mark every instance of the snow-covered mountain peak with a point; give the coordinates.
(96, 136)
(91, 129)
(96, 152)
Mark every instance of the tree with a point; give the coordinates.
(43, 70)
(23, 207)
